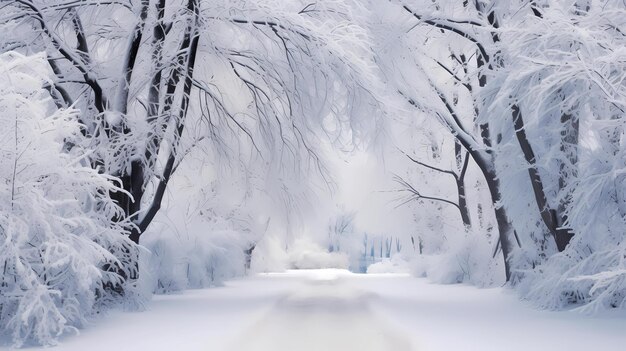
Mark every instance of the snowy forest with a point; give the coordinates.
(421, 150)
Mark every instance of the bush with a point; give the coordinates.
(56, 228)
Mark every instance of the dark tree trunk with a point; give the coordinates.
(486, 163)
(505, 228)
(548, 215)
(462, 163)
(137, 180)
(465, 216)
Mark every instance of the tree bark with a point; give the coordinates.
(505, 228)
(569, 148)
(547, 213)
(485, 161)
(462, 163)
(191, 42)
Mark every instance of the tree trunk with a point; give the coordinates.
(486, 163)
(505, 228)
(569, 148)
(465, 216)
(462, 162)
(548, 215)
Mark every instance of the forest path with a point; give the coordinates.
(325, 313)
(328, 310)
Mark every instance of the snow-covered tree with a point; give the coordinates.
(251, 81)
(534, 91)
(58, 241)
(446, 48)
(566, 63)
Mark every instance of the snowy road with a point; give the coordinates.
(327, 310)
(325, 313)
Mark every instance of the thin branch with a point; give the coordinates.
(465, 84)
(100, 99)
(427, 165)
(416, 195)
(271, 24)
(451, 28)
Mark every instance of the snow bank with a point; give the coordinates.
(466, 258)
(395, 264)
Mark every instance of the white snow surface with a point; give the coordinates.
(332, 309)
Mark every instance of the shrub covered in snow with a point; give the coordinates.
(395, 264)
(56, 232)
(195, 259)
(305, 254)
(466, 258)
(204, 233)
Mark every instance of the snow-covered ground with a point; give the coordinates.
(333, 309)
